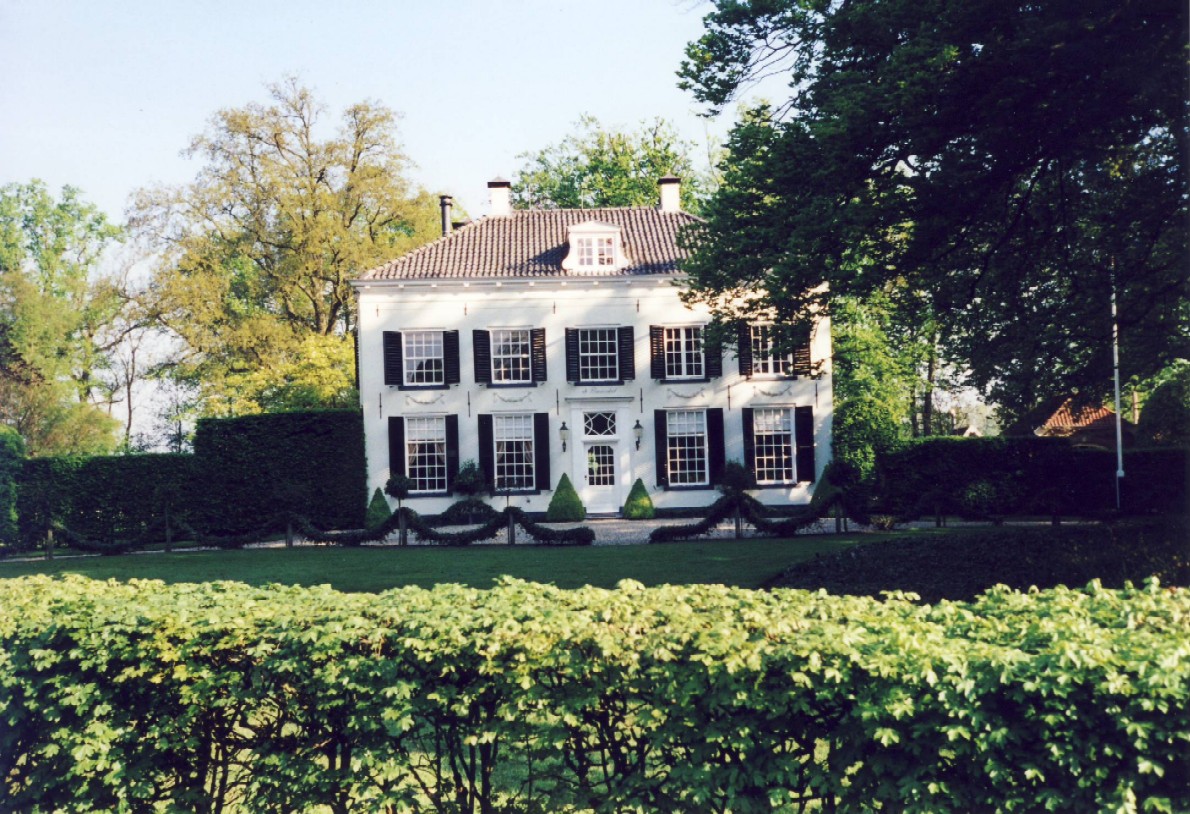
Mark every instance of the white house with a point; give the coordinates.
(546, 342)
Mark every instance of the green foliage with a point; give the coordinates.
(1166, 415)
(255, 471)
(895, 161)
(54, 309)
(498, 522)
(735, 480)
(107, 504)
(565, 506)
(960, 566)
(470, 481)
(399, 487)
(257, 252)
(378, 510)
(462, 512)
(1025, 476)
(597, 167)
(638, 506)
(12, 456)
(143, 696)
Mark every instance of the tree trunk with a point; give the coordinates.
(927, 399)
(49, 544)
(402, 525)
(739, 523)
(511, 530)
(289, 534)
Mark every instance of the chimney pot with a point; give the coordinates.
(670, 188)
(445, 202)
(500, 192)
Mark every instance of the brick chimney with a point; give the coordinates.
(500, 192)
(670, 187)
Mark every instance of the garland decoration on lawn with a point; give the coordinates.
(544, 535)
(751, 510)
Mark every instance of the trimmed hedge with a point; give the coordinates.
(12, 457)
(146, 696)
(257, 470)
(565, 506)
(498, 522)
(639, 506)
(1040, 476)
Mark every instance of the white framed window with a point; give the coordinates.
(599, 425)
(425, 453)
(684, 353)
(686, 452)
(424, 358)
(513, 436)
(511, 356)
(598, 355)
(765, 361)
(596, 252)
(772, 430)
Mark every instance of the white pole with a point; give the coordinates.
(1115, 357)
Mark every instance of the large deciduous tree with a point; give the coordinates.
(599, 167)
(55, 311)
(257, 252)
(1012, 162)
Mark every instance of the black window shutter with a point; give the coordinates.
(713, 354)
(393, 363)
(541, 450)
(749, 441)
(657, 350)
(537, 354)
(716, 444)
(481, 349)
(487, 449)
(627, 353)
(452, 451)
(803, 434)
(801, 360)
(450, 354)
(744, 340)
(572, 355)
(661, 439)
(396, 446)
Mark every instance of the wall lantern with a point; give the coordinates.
(638, 431)
(564, 434)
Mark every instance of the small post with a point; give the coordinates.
(739, 523)
(49, 543)
(402, 526)
(511, 528)
(289, 533)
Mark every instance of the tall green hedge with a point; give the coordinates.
(144, 696)
(255, 470)
(12, 455)
(1026, 476)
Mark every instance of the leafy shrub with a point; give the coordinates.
(12, 456)
(527, 696)
(565, 506)
(638, 506)
(378, 510)
(735, 479)
(470, 480)
(464, 512)
(399, 487)
(883, 522)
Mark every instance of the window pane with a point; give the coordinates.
(598, 355)
(683, 353)
(510, 356)
(514, 451)
(687, 446)
(764, 357)
(773, 434)
(424, 357)
(601, 467)
(425, 453)
(599, 424)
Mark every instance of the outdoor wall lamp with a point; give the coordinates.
(564, 434)
(638, 431)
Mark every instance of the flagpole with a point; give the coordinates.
(1115, 357)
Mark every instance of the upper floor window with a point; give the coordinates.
(598, 355)
(421, 358)
(596, 252)
(683, 353)
(510, 356)
(765, 359)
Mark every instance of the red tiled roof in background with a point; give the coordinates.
(1067, 419)
(533, 243)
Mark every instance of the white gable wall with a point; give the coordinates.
(556, 305)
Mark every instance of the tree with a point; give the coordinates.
(55, 310)
(1012, 161)
(257, 252)
(597, 167)
(1166, 415)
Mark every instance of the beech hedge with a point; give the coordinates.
(145, 696)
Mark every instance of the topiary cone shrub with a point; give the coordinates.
(565, 506)
(378, 510)
(638, 506)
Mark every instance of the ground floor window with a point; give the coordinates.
(686, 451)
(513, 435)
(773, 432)
(425, 453)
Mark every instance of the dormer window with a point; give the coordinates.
(595, 247)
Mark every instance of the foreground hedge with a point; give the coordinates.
(208, 697)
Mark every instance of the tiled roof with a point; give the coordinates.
(533, 243)
(1066, 419)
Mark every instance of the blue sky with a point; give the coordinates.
(105, 95)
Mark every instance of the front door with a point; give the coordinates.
(597, 463)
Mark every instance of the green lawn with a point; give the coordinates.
(746, 563)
